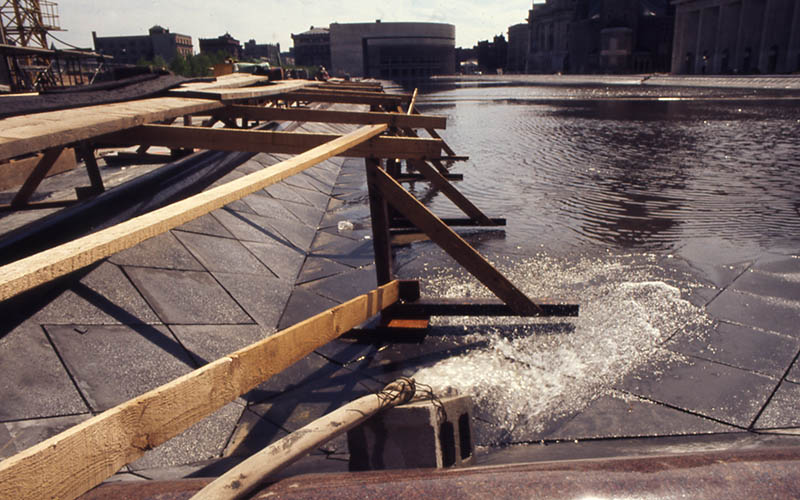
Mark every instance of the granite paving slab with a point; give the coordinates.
(297, 233)
(794, 373)
(729, 395)
(302, 182)
(112, 364)
(316, 268)
(783, 410)
(204, 440)
(240, 206)
(294, 409)
(187, 297)
(163, 251)
(207, 343)
(104, 296)
(346, 352)
(262, 297)
(267, 206)
(778, 264)
(303, 372)
(249, 227)
(767, 313)
(34, 382)
(252, 434)
(25, 433)
(285, 192)
(315, 198)
(302, 305)
(223, 254)
(283, 259)
(740, 346)
(769, 285)
(308, 215)
(7, 445)
(613, 416)
(206, 224)
(344, 286)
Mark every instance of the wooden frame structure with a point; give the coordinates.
(71, 463)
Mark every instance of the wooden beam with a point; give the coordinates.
(413, 177)
(453, 194)
(42, 267)
(470, 306)
(236, 94)
(453, 244)
(20, 135)
(69, 464)
(346, 97)
(36, 177)
(379, 216)
(263, 141)
(14, 173)
(412, 103)
(451, 221)
(317, 115)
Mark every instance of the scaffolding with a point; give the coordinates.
(26, 62)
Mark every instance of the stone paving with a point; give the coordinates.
(173, 303)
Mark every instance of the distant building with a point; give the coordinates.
(396, 51)
(313, 47)
(224, 43)
(519, 37)
(492, 55)
(132, 49)
(265, 51)
(736, 36)
(601, 36)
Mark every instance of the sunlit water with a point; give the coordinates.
(601, 196)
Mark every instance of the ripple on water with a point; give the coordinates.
(534, 372)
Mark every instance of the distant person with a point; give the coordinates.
(322, 74)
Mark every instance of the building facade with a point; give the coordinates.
(224, 43)
(131, 49)
(313, 47)
(736, 36)
(519, 37)
(395, 51)
(263, 51)
(600, 36)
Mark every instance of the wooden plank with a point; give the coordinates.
(69, 464)
(451, 221)
(316, 115)
(379, 216)
(47, 161)
(453, 194)
(20, 135)
(234, 94)
(372, 99)
(453, 244)
(234, 80)
(419, 177)
(263, 141)
(42, 267)
(14, 173)
(412, 103)
(469, 306)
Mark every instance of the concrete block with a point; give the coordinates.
(418, 435)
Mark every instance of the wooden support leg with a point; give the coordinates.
(37, 176)
(461, 201)
(379, 210)
(450, 242)
(92, 169)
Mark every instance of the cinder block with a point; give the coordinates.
(417, 435)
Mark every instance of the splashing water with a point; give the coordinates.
(533, 372)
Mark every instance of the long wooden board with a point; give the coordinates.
(263, 141)
(69, 464)
(234, 94)
(398, 120)
(453, 194)
(453, 244)
(343, 96)
(21, 135)
(14, 173)
(42, 267)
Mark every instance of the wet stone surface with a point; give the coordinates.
(729, 395)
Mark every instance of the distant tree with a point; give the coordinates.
(180, 65)
(159, 62)
(200, 65)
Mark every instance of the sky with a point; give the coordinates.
(271, 21)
